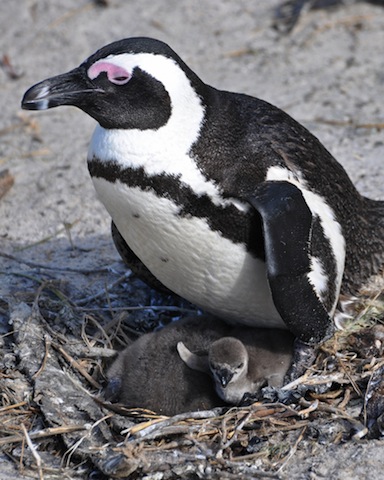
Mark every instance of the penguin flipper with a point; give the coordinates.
(135, 264)
(287, 228)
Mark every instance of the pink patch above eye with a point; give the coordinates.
(117, 75)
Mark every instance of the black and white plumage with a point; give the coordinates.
(225, 199)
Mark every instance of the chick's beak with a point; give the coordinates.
(224, 376)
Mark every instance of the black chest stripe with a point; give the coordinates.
(237, 226)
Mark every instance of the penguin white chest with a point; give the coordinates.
(190, 258)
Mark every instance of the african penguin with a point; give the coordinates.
(149, 373)
(223, 198)
(244, 362)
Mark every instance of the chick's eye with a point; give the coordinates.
(241, 365)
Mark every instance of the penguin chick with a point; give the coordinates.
(245, 364)
(150, 374)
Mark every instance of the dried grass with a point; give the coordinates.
(253, 441)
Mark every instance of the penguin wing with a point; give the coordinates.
(287, 227)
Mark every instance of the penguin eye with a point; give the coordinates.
(121, 80)
(115, 74)
(241, 365)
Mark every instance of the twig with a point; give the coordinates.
(104, 291)
(292, 450)
(69, 14)
(99, 327)
(22, 274)
(54, 269)
(89, 429)
(162, 422)
(338, 377)
(352, 381)
(48, 432)
(238, 427)
(47, 342)
(165, 308)
(346, 123)
(311, 408)
(34, 452)
(12, 407)
(75, 364)
(49, 237)
(324, 407)
(345, 400)
(34, 153)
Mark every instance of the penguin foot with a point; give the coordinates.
(303, 357)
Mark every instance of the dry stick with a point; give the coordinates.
(161, 422)
(347, 21)
(352, 381)
(74, 364)
(345, 401)
(224, 434)
(346, 123)
(69, 14)
(47, 341)
(55, 269)
(12, 407)
(311, 408)
(292, 450)
(34, 452)
(169, 308)
(338, 377)
(48, 432)
(21, 274)
(229, 442)
(103, 292)
(33, 153)
(99, 326)
(49, 237)
(74, 447)
(247, 472)
(324, 407)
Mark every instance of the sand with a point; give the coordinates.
(327, 73)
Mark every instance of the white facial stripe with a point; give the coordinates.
(165, 150)
(319, 208)
(187, 109)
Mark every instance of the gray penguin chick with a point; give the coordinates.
(244, 362)
(150, 374)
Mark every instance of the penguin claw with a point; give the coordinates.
(303, 357)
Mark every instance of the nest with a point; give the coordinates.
(53, 422)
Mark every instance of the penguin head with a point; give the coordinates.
(129, 84)
(228, 361)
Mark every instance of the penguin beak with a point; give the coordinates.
(66, 89)
(224, 376)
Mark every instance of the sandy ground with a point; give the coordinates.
(327, 73)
